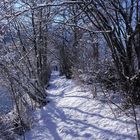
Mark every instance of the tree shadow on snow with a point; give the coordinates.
(98, 115)
(71, 126)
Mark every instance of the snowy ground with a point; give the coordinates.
(73, 114)
(5, 101)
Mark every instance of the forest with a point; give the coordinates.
(70, 69)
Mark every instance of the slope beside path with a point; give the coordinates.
(72, 114)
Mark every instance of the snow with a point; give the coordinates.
(73, 114)
(6, 103)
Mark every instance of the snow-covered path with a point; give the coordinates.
(73, 114)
